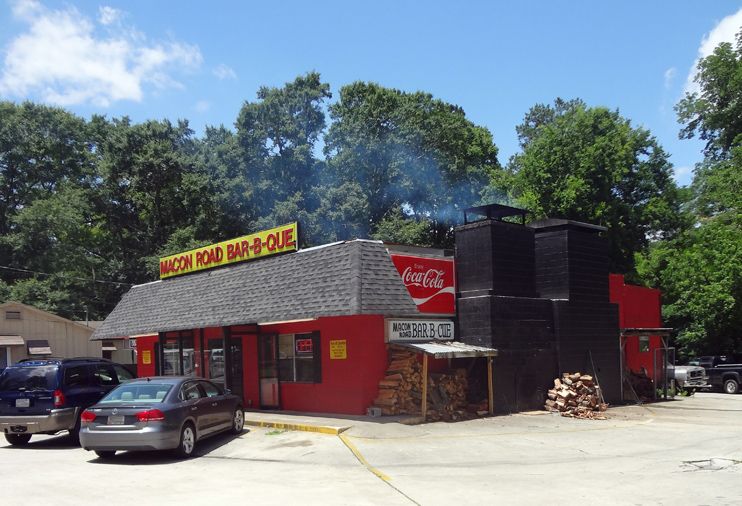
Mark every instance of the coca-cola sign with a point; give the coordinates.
(430, 281)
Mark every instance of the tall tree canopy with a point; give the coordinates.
(408, 152)
(591, 165)
(699, 272)
(278, 136)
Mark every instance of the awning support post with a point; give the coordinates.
(425, 387)
(489, 383)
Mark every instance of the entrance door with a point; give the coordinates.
(237, 381)
(270, 392)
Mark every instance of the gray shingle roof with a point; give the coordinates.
(347, 278)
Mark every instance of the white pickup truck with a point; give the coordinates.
(690, 376)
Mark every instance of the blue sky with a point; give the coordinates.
(201, 60)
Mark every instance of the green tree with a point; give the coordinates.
(277, 135)
(591, 165)
(700, 274)
(150, 187)
(42, 150)
(408, 151)
(715, 113)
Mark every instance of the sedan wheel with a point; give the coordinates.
(18, 439)
(731, 386)
(187, 442)
(238, 420)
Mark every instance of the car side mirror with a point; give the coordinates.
(227, 391)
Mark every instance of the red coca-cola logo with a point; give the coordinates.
(432, 278)
(430, 281)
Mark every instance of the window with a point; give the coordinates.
(189, 391)
(123, 373)
(643, 344)
(104, 375)
(210, 389)
(77, 376)
(299, 358)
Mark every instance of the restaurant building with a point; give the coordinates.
(308, 330)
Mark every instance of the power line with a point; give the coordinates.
(62, 276)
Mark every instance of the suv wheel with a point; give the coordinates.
(731, 386)
(75, 432)
(18, 439)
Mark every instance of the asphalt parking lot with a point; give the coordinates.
(682, 452)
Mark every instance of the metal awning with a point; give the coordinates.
(39, 347)
(641, 331)
(108, 347)
(11, 341)
(449, 349)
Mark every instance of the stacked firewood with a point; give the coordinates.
(642, 385)
(577, 396)
(400, 392)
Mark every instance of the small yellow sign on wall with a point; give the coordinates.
(146, 357)
(338, 349)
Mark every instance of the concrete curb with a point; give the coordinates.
(297, 426)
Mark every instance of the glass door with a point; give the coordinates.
(270, 391)
(237, 382)
(215, 360)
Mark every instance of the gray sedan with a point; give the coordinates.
(169, 412)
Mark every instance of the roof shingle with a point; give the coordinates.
(340, 279)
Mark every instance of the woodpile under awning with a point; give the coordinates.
(406, 385)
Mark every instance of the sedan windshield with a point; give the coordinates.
(151, 392)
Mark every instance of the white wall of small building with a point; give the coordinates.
(66, 338)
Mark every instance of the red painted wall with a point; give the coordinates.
(348, 385)
(639, 307)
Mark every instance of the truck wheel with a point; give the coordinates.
(731, 386)
(18, 439)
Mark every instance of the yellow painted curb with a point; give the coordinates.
(297, 426)
(362, 460)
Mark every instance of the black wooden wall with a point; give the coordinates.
(540, 295)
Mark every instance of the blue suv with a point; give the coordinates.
(47, 396)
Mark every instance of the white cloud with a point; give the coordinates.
(203, 106)
(109, 15)
(224, 72)
(724, 31)
(683, 175)
(61, 59)
(669, 76)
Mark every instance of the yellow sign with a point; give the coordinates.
(268, 242)
(146, 357)
(338, 349)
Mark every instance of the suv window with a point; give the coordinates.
(30, 378)
(105, 375)
(122, 373)
(76, 376)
